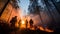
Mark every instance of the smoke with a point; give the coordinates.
(37, 20)
(15, 3)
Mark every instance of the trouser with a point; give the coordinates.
(31, 25)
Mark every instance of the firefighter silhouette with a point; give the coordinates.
(13, 21)
(26, 23)
(31, 23)
(19, 22)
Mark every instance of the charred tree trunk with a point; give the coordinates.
(55, 6)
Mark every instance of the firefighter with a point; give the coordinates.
(19, 22)
(13, 21)
(26, 23)
(31, 23)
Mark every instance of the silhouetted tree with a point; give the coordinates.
(15, 3)
(56, 4)
(54, 12)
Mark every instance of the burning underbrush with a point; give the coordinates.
(34, 27)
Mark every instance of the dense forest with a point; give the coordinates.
(48, 10)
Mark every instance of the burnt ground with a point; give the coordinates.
(5, 29)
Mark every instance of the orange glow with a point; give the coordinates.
(16, 25)
(23, 22)
(48, 30)
(32, 28)
(23, 25)
(41, 28)
(28, 25)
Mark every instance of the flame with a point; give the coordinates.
(45, 29)
(23, 25)
(48, 30)
(41, 28)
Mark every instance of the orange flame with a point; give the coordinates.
(46, 29)
(41, 28)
